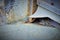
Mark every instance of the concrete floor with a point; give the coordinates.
(27, 31)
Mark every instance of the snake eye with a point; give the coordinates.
(52, 3)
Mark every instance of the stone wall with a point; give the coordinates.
(19, 11)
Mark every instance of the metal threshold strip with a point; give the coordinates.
(41, 12)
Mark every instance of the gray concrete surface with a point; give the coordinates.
(23, 31)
